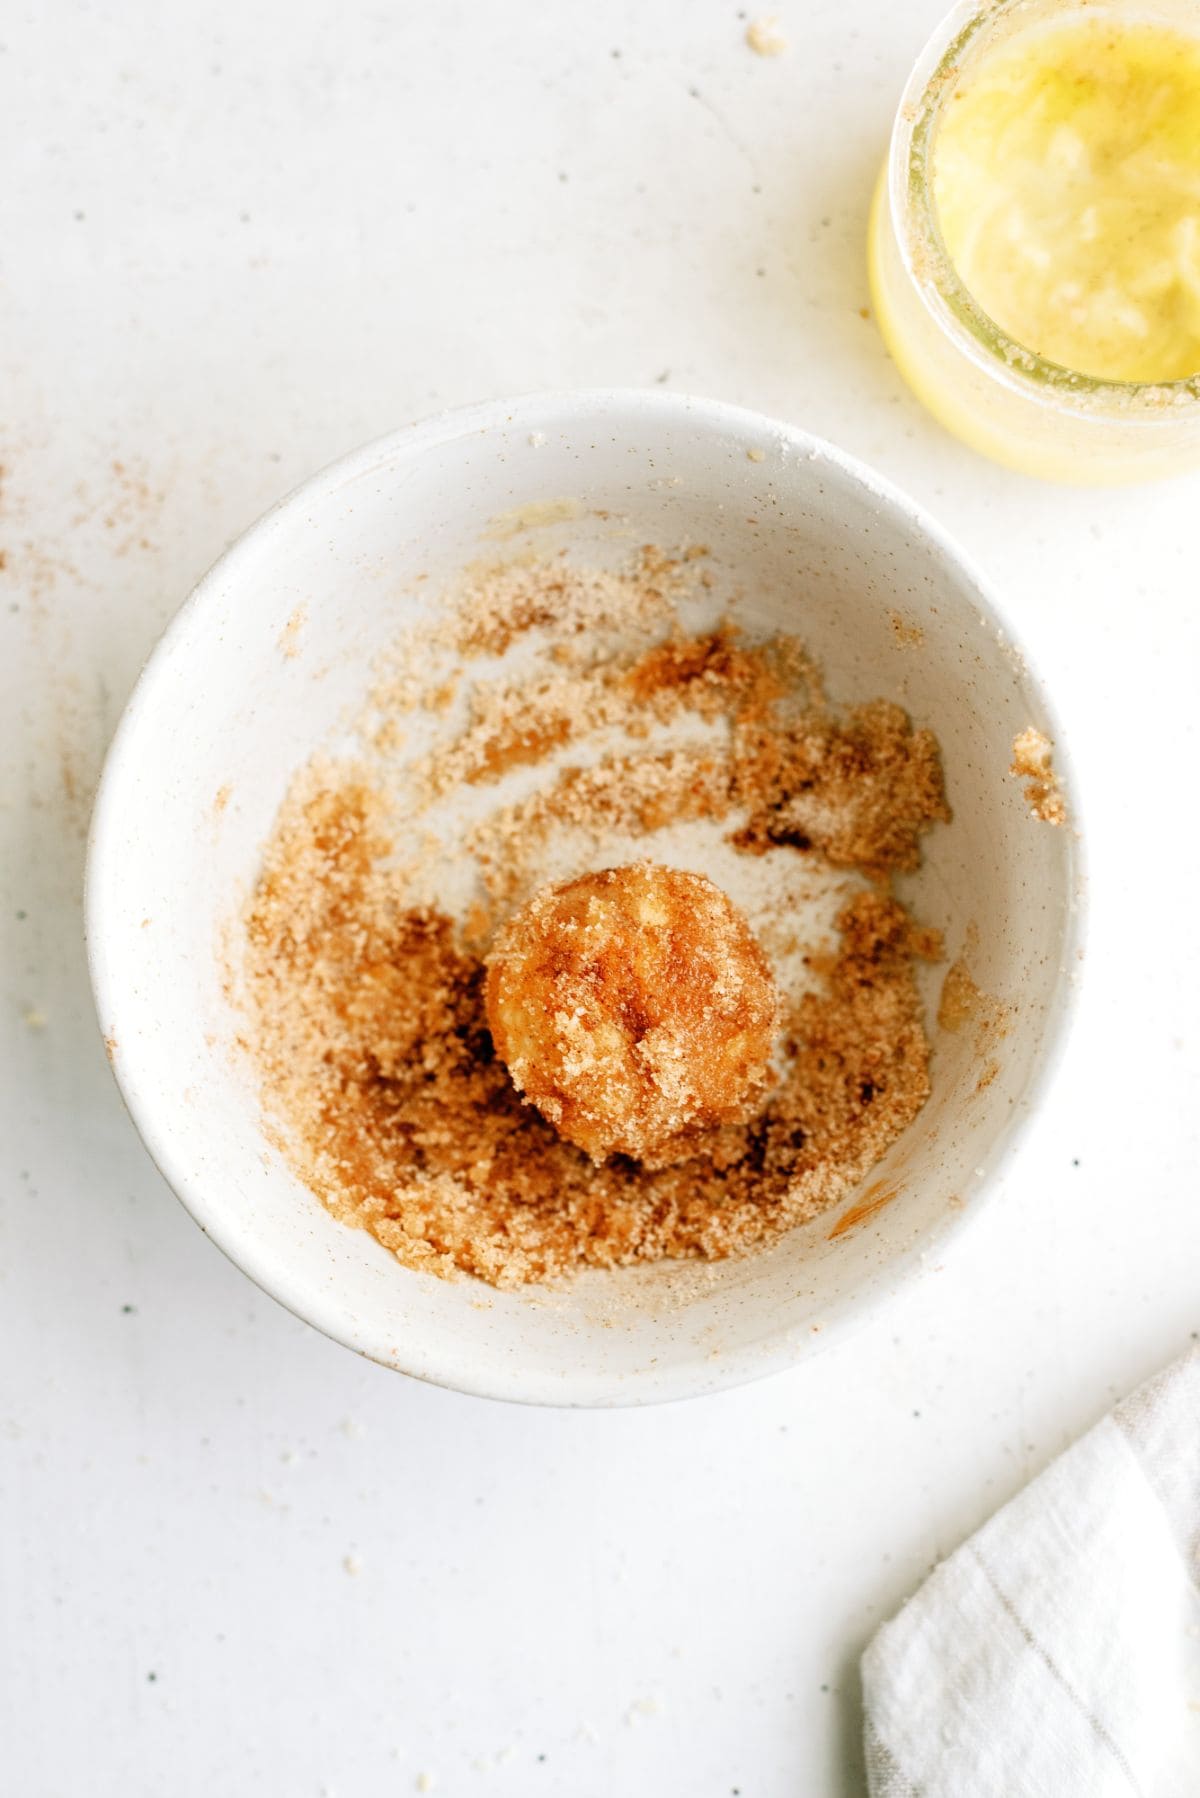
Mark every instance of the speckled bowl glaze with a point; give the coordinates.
(236, 698)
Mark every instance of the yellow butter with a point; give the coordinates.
(1066, 178)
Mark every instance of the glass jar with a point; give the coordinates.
(994, 393)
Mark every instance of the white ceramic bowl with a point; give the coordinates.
(824, 549)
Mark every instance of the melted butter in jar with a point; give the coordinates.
(1066, 179)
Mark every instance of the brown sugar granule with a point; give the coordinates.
(513, 726)
(635, 794)
(712, 675)
(507, 601)
(634, 1008)
(961, 999)
(1033, 762)
(908, 634)
(518, 743)
(859, 789)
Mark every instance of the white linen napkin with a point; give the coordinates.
(1058, 1651)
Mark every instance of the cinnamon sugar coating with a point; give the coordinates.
(634, 1008)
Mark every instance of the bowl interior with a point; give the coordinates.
(267, 662)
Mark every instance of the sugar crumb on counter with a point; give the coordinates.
(765, 38)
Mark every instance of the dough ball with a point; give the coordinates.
(634, 1008)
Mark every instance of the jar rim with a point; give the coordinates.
(918, 232)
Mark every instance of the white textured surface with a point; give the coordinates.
(236, 241)
(1056, 1654)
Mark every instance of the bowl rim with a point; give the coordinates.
(777, 1347)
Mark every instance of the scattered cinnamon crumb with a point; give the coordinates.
(366, 1015)
(440, 699)
(506, 601)
(390, 736)
(907, 634)
(532, 517)
(860, 789)
(515, 743)
(477, 925)
(961, 999)
(712, 675)
(765, 38)
(963, 1002)
(221, 800)
(1033, 762)
(289, 636)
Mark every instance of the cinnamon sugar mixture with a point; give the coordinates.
(1033, 762)
(624, 734)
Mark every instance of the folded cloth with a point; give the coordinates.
(1058, 1651)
